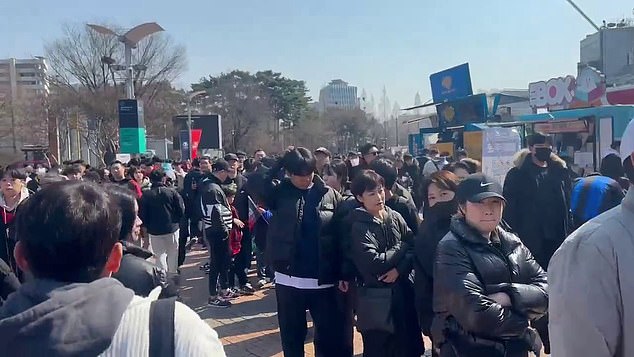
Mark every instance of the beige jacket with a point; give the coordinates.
(591, 287)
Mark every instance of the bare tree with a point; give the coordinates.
(82, 78)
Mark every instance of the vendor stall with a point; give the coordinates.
(585, 135)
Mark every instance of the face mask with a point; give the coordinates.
(543, 154)
(354, 162)
(40, 171)
(444, 209)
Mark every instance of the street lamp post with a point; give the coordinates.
(130, 40)
(190, 97)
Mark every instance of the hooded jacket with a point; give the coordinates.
(101, 318)
(591, 287)
(538, 208)
(377, 246)
(468, 268)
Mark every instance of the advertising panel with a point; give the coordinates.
(450, 84)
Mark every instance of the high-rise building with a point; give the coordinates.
(338, 95)
(23, 92)
(611, 51)
(23, 78)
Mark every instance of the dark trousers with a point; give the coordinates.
(346, 305)
(183, 234)
(292, 304)
(380, 344)
(236, 270)
(219, 263)
(242, 260)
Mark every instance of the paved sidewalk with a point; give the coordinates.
(248, 328)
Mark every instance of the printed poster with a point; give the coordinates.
(499, 146)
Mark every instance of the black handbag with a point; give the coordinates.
(374, 309)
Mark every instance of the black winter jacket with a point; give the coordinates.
(469, 268)
(542, 226)
(161, 209)
(141, 276)
(284, 201)
(212, 202)
(431, 232)
(379, 246)
(190, 191)
(343, 223)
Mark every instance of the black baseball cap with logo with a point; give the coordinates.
(478, 187)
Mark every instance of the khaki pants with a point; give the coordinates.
(165, 247)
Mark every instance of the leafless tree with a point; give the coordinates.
(82, 78)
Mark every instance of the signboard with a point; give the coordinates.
(587, 90)
(183, 141)
(131, 127)
(210, 126)
(415, 144)
(570, 126)
(472, 109)
(450, 84)
(499, 146)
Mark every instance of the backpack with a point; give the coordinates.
(162, 328)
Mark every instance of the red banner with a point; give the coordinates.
(196, 135)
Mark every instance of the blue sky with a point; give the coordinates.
(398, 43)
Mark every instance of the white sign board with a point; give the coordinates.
(499, 146)
(124, 158)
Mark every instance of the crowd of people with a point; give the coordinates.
(393, 245)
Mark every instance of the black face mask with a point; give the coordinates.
(543, 154)
(443, 209)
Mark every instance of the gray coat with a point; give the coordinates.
(591, 304)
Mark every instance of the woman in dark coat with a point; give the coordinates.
(487, 285)
(381, 246)
(439, 195)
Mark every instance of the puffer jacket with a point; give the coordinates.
(431, 231)
(469, 268)
(377, 246)
(284, 201)
(343, 224)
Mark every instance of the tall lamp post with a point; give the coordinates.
(190, 97)
(130, 40)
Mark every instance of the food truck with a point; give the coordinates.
(584, 134)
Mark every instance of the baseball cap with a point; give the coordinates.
(241, 154)
(220, 165)
(627, 141)
(231, 157)
(478, 187)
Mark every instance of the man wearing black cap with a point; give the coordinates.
(241, 203)
(369, 153)
(537, 191)
(217, 223)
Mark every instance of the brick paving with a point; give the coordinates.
(249, 328)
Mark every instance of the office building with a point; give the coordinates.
(23, 91)
(338, 95)
(611, 51)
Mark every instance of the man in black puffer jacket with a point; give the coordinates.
(304, 253)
